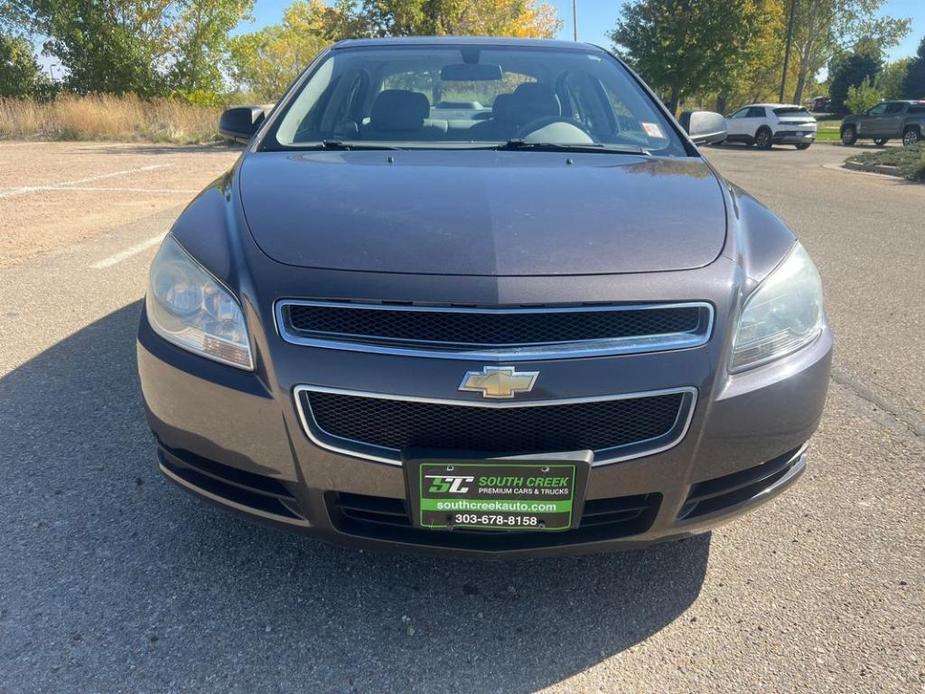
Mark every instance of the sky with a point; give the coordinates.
(597, 17)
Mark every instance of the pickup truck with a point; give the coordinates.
(886, 121)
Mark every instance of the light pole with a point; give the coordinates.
(575, 20)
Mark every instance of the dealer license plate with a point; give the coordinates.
(495, 495)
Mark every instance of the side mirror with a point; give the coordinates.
(704, 127)
(241, 122)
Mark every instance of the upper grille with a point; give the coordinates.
(381, 428)
(614, 329)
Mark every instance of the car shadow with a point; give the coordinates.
(112, 576)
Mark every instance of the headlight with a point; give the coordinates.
(782, 315)
(191, 309)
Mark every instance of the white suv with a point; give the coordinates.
(771, 124)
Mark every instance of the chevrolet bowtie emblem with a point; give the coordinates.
(499, 381)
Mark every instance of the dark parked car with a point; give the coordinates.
(886, 121)
(820, 104)
(481, 296)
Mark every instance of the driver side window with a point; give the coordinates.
(741, 113)
(877, 110)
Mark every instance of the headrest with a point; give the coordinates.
(502, 109)
(399, 109)
(532, 100)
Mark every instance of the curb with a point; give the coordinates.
(883, 169)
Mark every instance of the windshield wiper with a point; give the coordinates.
(519, 144)
(341, 145)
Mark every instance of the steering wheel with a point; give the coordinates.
(544, 121)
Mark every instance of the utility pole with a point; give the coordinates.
(575, 20)
(783, 77)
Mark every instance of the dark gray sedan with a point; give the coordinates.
(481, 296)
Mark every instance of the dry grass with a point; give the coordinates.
(104, 117)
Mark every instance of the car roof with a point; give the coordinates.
(465, 41)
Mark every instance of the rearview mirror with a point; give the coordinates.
(704, 127)
(470, 72)
(241, 122)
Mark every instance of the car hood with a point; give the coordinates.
(483, 212)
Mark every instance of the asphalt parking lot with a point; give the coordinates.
(113, 580)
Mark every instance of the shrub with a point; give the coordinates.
(107, 117)
(863, 96)
(909, 160)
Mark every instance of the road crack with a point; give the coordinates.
(910, 418)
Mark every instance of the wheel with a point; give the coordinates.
(849, 135)
(763, 138)
(911, 135)
(804, 145)
(880, 141)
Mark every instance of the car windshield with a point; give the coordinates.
(472, 96)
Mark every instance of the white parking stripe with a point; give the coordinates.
(23, 190)
(96, 189)
(127, 253)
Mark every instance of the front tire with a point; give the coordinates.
(849, 135)
(911, 135)
(880, 141)
(764, 139)
(804, 145)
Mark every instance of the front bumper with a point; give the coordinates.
(235, 438)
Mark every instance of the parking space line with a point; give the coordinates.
(113, 189)
(127, 253)
(23, 190)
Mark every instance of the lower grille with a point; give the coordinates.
(382, 427)
(385, 518)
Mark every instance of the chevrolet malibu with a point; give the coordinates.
(485, 297)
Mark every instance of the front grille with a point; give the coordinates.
(385, 518)
(371, 426)
(623, 328)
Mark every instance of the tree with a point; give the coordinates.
(113, 46)
(914, 82)
(265, 62)
(523, 18)
(850, 71)
(752, 74)
(14, 17)
(823, 27)
(685, 46)
(200, 40)
(20, 73)
(892, 76)
(145, 47)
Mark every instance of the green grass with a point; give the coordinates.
(909, 160)
(828, 129)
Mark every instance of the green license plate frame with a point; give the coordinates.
(533, 493)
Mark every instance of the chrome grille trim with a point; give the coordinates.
(392, 456)
(551, 350)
